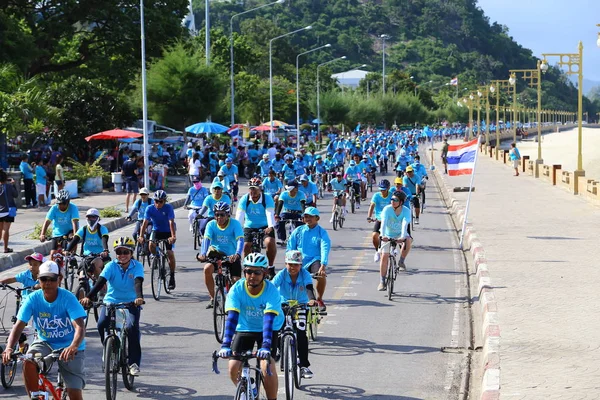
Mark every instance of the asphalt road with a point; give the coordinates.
(368, 348)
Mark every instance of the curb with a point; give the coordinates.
(485, 305)
(17, 258)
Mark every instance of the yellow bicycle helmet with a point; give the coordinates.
(124, 241)
(397, 180)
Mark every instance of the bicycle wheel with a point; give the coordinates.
(80, 294)
(111, 367)
(127, 377)
(288, 366)
(341, 219)
(7, 373)
(412, 216)
(219, 314)
(242, 392)
(297, 369)
(71, 272)
(166, 275)
(390, 276)
(155, 278)
(352, 202)
(335, 220)
(196, 230)
(313, 323)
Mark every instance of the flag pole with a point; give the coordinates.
(464, 225)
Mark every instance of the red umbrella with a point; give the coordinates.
(263, 128)
(114, 134)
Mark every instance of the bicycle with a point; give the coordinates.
(338, 212)
(393, 268)
(160, 274)
(46, 390)
(248, 387)
(352, 195)
(223, 283)
(290, 224)
(116, 348)
(142, 252)
(320, 185)
(197, 232)
(422, 194)
(258, 239)
(313, 317)
(288, 350)
(9, 371)
(87, 280)
(413, 214)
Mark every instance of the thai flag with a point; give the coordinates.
(233, 132)
(461, 158)
(454, 81)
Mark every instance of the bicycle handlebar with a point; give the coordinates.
(5, 286)
(244, 357)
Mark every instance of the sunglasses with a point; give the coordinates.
(253, 272)
(48, 279)
(217, 188)
(159, 201)
(121, 252)
(220, 215)
(395, 199)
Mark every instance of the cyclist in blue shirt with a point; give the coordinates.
(314, 244)
(299, 165)
(338, 185)
(411, 182)
(278, 163)
(64, 217)
(265, 165)
(290, 205)
(59, 322)
(254, 316)
(94, 241)
(139, 207)
(421, 171)
(309, 189)
(162, 217)
(395, 220)
(224, 179)
(28, 278)
(295, 283)
(195, 199)
(209, 203)
(378, 202)
(124, 278)
(339, 157)
(272, 185)
(256, 214)
(319, 165)
(353, 175)
(289, 172)
(330, 163)
(231, 171)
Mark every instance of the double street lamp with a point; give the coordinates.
(496, 87)
(383, 37)
(298, 92)
(319, 93)
(421, 84)
(306, 28)
(231, 52)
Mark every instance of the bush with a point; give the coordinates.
(37, 230)
(81, 172)
(110, 212)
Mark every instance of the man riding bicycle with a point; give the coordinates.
(224, 237)
(124, 278)
(411, 182)
(256, 213)
(309, 189)
(231, 171)
(290, 205)
(94, 239)
(265, 165)
(139, 207)
(338, 186)
(272, 185)
(395, 220)
(378, 202)
(195, 199)
(421, 172)
(254, 316)
(162, 217)
(353, 175)
(64, 217)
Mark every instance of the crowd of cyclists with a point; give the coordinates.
(241, 235)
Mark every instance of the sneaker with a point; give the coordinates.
(416, 221)
(306, 373)
(358, 206)
(210, 304)
(381, 287)
(376, 257)
(402, 266)
(322, 307)
(345, 211)
(331, 220)
(271, 272)
(172, 283)
(134, 370)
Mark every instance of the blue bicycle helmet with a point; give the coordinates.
(384, 184)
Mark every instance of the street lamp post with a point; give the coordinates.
(534, 76)
(306, 28)
(513, 81)
(231, 52)
(598, 41)
(319, 92)
(469, 102)
(144, 98)
(575, 63)
(298, 91)
(383, 37)
(422, 84)
(485, 90)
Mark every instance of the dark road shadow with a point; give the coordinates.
(344, 347)
(347, 392)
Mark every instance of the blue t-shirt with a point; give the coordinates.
(53, 321)
(292, 203)
(252, 308)
(224, 239)
(265, 167)
(338, 185)
(320, 167)
(121, 283)
(256, 216)
(40, 175)
(308, 191)
(160, 218)
(380, 202)
(25, 278)
(293, 291)
(314, 244)
(230, 172)
(395, 225)
(289, 172)
(271, 187)
(411, 183)
(197, 196)
(210, 201)
(62, 220)
(278, 165)
(352, 172)
(26, 170)
(140, 207)
(93, 242)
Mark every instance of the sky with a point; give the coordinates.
(551, 26)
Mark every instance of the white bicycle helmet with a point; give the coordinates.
(256, 260)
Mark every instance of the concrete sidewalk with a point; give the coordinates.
(541, 252)
(27, 218)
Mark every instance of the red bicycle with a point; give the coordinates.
(46, 390)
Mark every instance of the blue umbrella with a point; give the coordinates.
(206, 127)
(316, 121)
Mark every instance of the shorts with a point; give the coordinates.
(55, 240)
(58, 183)
(40, 189)
(7, 219)
(235, 269)
(72, 371)
(248, 233)
(314, 267)
(245, 341)
(515, 163)
(377, 226)
(385, 246)
(132, 187)
(415, 201)
(156, 236)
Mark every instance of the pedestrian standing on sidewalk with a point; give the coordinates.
(59, 176)
(8, 207)
(128, 170)
(40, 183)
(445, 155)
(515, 156)
(29, 186)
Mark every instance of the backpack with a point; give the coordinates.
(264, 201)
(85, 233)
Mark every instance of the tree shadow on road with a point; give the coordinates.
(155, 329)
(344, 347)
(160, 392)
(347, 392)
(426, 298)
(352, 302)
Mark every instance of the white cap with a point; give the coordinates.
(48, 268)
(92, 211)
(189, 144)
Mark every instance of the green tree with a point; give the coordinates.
(334, 108)
(181, 89)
